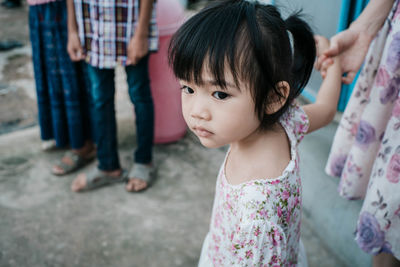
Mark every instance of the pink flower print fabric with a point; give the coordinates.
(365, 153)
(257, 223)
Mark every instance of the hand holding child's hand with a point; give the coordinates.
(323, 62)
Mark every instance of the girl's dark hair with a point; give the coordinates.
(253, 41)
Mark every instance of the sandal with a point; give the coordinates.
(95, 178)
(48, 145)
(142, 172)
(77, 162)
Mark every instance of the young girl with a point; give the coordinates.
(241, 66)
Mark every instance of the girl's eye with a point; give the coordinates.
(220, 95)
(187, 90)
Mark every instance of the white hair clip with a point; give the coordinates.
(260, 2)
(291, 41)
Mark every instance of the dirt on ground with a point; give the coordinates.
(14, 23)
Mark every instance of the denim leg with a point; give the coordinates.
(104, 122)
(140, 94)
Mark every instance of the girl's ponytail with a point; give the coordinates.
(304, 51)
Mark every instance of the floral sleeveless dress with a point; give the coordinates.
(365, 152)
(257, 223)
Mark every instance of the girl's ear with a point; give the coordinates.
(279, 101)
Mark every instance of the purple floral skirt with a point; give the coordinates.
(365, 153)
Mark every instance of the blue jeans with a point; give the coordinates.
(104, 120)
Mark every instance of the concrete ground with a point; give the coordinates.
(43, 223)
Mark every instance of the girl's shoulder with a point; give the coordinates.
(295, 121)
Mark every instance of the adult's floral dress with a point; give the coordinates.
(366, 149)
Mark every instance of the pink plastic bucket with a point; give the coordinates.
(169, 123)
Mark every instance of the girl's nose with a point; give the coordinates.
(200, 112)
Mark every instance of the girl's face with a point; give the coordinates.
(219, 116)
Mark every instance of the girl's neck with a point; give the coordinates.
(256, 139)
(261, 156)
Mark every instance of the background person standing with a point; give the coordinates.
(61, 85)
(106, 33)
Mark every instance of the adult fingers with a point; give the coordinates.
(348, 79)
(70, 52)
(75, 53)
(323, 63)
(132, 60)
(333, 49)
(336, 43)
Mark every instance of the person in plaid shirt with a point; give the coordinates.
(106, 33)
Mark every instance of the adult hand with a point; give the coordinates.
(138, 48)
(351, 46)
(74, 47)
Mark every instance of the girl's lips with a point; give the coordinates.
(202, 132)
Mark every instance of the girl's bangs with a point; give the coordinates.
(199, 44)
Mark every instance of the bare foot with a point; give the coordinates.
(58, 170)
(87, 151)
(135, 185)
(79, 183)
(385, 260)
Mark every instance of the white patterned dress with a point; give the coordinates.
(257, 223)
(365, 153)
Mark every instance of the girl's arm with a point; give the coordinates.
(323, 110)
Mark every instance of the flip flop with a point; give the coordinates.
(95, 178)
(48, 145)
(142, 172)
(77, 161)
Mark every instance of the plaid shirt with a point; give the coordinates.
(106, 27)
(39, 2)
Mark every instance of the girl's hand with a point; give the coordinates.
(137, 49)
(74, 47)
(322, 63)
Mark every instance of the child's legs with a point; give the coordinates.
(140, 94)
(104, 122)
(385, 260)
